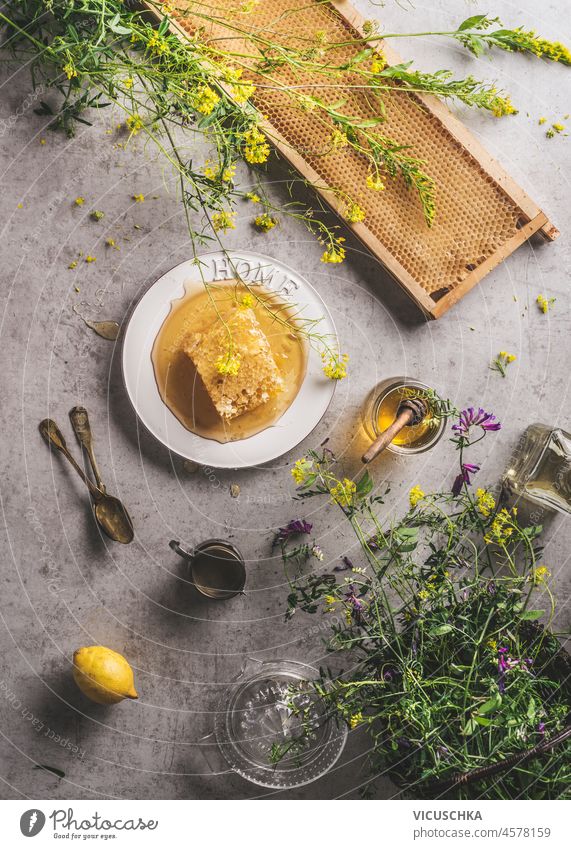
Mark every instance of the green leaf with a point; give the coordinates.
(530, 615)
(531, 712)
(440, 629)
(117, 28)
(491, 705)
(471, 22)
(481, 720)
(59, 772)
(470, 727)
(364, 484)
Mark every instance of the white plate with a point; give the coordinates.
(297, 422)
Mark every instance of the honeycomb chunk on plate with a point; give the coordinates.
(256, 378)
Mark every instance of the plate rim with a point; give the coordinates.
(140, 419)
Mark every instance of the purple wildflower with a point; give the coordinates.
(475, 418)
(347, 564)
(388, 675)
(491, 587)
(293, 528)
(505, 663)
(467, 469)
(541, 727)
(357, 605)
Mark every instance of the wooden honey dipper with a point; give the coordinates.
(411, 411)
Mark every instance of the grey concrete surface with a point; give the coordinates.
(64, 586)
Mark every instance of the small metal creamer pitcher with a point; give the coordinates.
(216, 568)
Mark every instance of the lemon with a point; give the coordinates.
(103, 675)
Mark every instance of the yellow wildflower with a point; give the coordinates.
(342, 493)
(501, 528)
(158, 45)
(134, 124)
(334, 366)
(243, 91)
(247, 302)
(542, 121)
(73, 264)
(485, 502)
(339, 139)
(90, 258)
(228, 364)
(301, 469)
(335, 252)
(205, 99)
(355, 719)
(423, 595)
(42, 141)
(253, 197)
(79, 201)
(503, 106)
(415, 495)
(111, 243)
(378, 62)
(228, 173)
(248, 6)
(209, 172)
(375, 183)
(96, 215)
(492, 644)
(554, 50)
(502, 361)
(265, 222)
(256, 150)
(223, 220)
(354, 214)
(558, 127)
(540, 575)
(128, 83)
(139, 198)
(544, 303)
(70, 70)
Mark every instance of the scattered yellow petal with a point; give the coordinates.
(139, 198)
(79, 201)
(73, 264)
(90, 258)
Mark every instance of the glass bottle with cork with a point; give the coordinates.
(540, 468)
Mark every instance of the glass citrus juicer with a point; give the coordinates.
(272, 729)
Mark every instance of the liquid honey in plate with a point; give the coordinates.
(381, 410)
(179, 383)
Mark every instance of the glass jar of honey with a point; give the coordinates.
(380, 411)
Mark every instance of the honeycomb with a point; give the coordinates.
(474, 216)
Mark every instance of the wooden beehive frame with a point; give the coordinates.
(530, 219)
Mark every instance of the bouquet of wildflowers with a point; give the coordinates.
(443, 662)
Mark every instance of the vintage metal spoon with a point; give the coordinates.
(411, 411)
(111, 515)
(82, 429)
